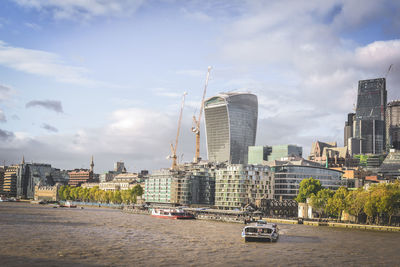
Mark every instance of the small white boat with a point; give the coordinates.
(260, 231)
(68, 205)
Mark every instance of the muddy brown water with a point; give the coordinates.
(33, 235)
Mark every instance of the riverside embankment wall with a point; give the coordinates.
(339, 225)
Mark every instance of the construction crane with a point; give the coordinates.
(196, 122)
(173, 148)
(390, 67)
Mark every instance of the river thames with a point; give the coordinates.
(33, 235)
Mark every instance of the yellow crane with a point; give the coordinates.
(196, 122)
(173, 148)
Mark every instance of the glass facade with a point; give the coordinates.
(369, 126)
(288, 178)
(393, 125)
(231, 125)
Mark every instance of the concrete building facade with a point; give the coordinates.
(237, 185)
(231, 126)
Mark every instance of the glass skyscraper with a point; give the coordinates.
(231, 126)
(369, 128)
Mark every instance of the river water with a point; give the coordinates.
(33, 235)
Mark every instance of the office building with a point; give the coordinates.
(260, 154)
(369, 127)
(2, 171)
(31, 174)
(348, 128)
(231, 125)
(287, 178)
(119, 167)
(393, 125)
(10, 181)
(80, 176)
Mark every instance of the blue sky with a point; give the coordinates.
(106, 77)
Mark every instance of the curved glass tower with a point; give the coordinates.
(231, 126)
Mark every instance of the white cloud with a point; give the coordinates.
(33, 26)
(78, 9)
(44, 63)
(308, 67)
(2, 116)
(194, 73)
(137, 135)
(165, 92)
(196, 15)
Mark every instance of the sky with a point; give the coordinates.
(106, 77)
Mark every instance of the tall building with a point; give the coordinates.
(369, 127)
(231, 126)
(31, 174)
(2, 171)
(10, 181)
(119, 167)
(348, 128)
(393, 125)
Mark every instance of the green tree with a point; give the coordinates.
(320, 200)
(117, 197)
(137, 190)
(355, 202)
(307, 188)
(61, 192)
(66, 193)
(337, 204)
(370, 206)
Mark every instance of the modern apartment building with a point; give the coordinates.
(237, 185)
(191, 184)
(231, 126)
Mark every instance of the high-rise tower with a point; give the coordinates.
(393, 125)
(369, 127)
(231, 126)
(348, 128)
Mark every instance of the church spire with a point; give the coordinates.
(23, 160)
(91, 165)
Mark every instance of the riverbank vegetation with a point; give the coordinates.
(377, 205)
(95, 194)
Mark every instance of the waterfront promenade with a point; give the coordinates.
(34, 235)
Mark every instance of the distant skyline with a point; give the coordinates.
(105, 77)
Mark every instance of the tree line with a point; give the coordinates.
(378, 204)
(95, 194)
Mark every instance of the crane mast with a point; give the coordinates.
(173, 148)
(196, 122)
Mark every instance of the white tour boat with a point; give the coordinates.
(177, 214)
(260, 231)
